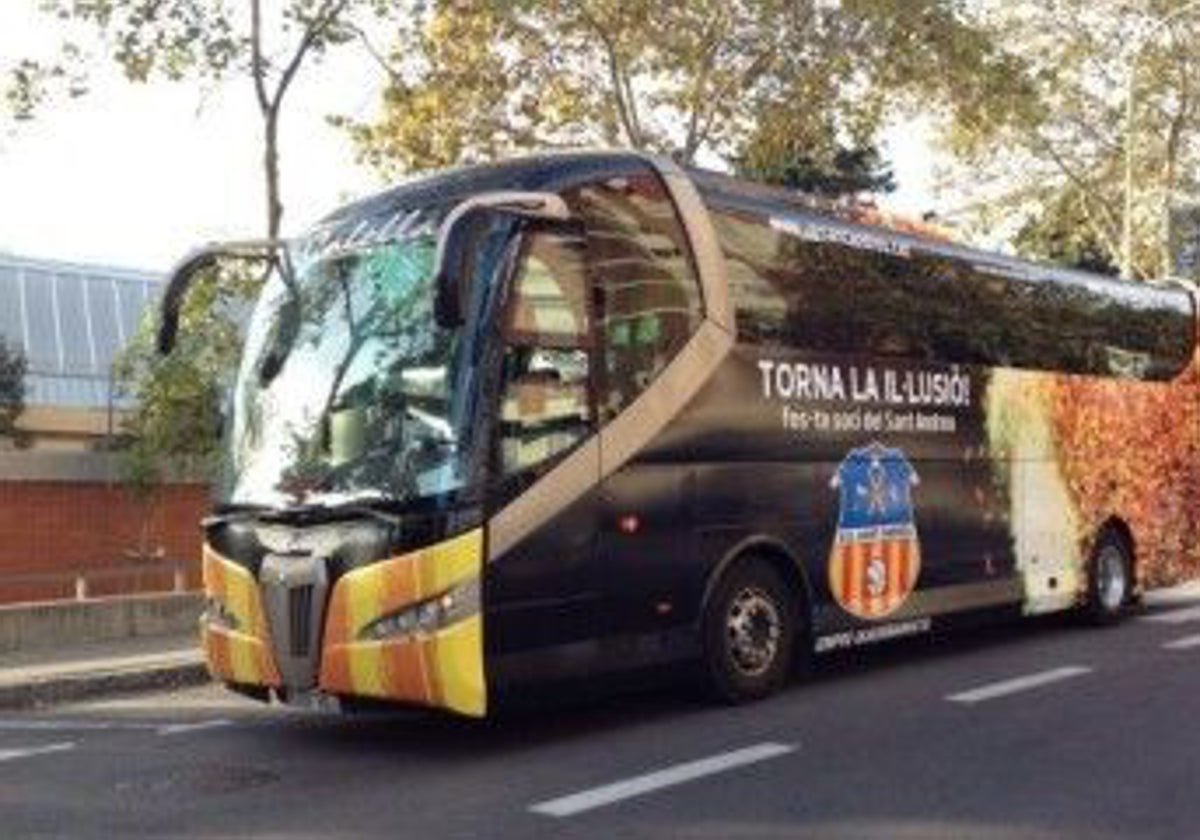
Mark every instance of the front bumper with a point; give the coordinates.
(441, 668)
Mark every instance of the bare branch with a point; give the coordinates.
(621, 89)
(320, 24)
(258, 68)
(378, 57)
(1106, 227)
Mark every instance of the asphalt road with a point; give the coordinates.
(1042, 729)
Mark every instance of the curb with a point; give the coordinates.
(90, 685)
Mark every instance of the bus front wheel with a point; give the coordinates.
(1110, 580)
(749, 632)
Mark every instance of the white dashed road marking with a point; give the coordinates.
(183, 728)
(58, 725)
(1184, 643)
(1018, 684)
(1174, 616)
(14, 755)
(598, 797)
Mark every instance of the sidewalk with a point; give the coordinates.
(34, 678)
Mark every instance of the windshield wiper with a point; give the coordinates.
(318, 512)
(235, 513)
(300, 514)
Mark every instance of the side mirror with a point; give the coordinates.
(461, 239)
(187, 270)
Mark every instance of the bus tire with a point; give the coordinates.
(1109, 581)
(749, 632)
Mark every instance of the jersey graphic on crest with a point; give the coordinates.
(876, 558)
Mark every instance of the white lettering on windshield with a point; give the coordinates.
(338, 238)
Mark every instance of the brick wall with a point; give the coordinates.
(61, 519)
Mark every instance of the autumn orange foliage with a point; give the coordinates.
(1133, 450)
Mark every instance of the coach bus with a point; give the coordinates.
(574, 414)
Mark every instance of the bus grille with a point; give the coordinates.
(294, 588)
(300, 599)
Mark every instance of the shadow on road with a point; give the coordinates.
(553, 714)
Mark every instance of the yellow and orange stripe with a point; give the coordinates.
(848, 570)
(241, 655)
(444, 668)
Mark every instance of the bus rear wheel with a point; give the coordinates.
(749, 633)
(1110, 580)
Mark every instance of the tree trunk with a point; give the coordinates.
(271, 170)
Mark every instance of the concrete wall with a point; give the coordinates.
(64, 428)
(49, 625)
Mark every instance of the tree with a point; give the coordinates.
(1061, 234)
(1061, 161)
(174, 424)
(850, 172)
(207, 41)
(752, 80)
(12, 391)
(201, 40)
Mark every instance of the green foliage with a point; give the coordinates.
(12, 391)
(1060, 159)
(151, 37)
(851, 171)
(175, 419)
(190, 39)
(1060, 234)
(32, 82)
(752, 80)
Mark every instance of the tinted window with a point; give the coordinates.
(545, 404)
(645, 288)
(833, 297)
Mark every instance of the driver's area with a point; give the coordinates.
(545, 406)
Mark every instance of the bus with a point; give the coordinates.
(573, 414)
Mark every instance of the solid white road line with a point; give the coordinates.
(1174, 616)
(1184, 643)
(598, 797)
(182, 728)
(1183, 594)
(13, 755)
(1018, 684)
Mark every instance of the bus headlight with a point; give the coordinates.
(427, 616)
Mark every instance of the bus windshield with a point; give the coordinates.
(346, 392)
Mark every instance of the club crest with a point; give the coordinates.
(875, 559)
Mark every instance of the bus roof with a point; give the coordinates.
(556, 170)
(768, 199)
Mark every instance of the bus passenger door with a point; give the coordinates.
(647, 305)
(541, 591)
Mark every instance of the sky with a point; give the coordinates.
(136, 175)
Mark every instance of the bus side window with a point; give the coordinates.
(545, 406)
(647, 293)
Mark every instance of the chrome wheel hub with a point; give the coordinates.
(1111, 578)
(753, 626)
